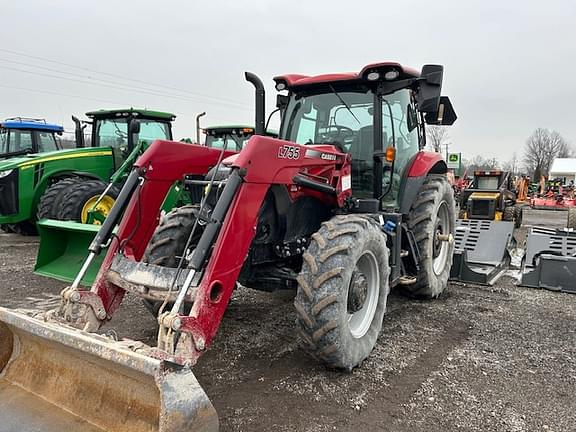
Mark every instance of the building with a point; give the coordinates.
(564, 169)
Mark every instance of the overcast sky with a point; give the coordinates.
(510, 66)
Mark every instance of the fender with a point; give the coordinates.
(64, 174)
(422, 164)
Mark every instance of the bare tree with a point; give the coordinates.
(541, 148)
(437, 136)
(512, 164)
(478, 163)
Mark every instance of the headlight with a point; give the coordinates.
(5, 173)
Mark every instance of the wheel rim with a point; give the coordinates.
(95, 214)
(363, 294)
(440, 248)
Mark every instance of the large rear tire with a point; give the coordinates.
(50, 202)
(81, 197)
(342, 291)
(168, 243)
(431, 218)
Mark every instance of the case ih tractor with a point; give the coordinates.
(341, 208)
(37, 186)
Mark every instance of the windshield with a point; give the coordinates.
(346, 119)
(151, 130)
(230, 141)
(341, 119)
(15, 141)
(488, 182)
(114, 132)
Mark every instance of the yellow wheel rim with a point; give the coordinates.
(103, 207)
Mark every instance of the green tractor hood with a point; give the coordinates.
(36, 158)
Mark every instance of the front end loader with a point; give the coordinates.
(344, 206)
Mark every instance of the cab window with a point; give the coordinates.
(112, 133)
(4, 140)
(46, 142)
(151, 130)
(20, 140)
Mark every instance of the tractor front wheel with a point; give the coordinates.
(342, 291)
(432, 222)
(80, 203)
(168, 244)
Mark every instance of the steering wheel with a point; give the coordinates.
(342, 138)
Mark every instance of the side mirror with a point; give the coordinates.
(134, 127)
(430, 88)
(444, 116)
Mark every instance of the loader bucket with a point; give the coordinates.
(63, 249)
(550, 260)
(480, 250)
(54, 378)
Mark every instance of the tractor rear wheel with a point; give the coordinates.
(432, 222)
(342, 291)
(50, 201)
(571, 222)
(82, 197)
(168, 243)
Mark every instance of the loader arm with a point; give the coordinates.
(221, 261)
(163, 163)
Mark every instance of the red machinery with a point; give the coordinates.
(344, 206)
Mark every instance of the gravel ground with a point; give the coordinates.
(499, 358)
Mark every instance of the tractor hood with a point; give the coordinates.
(34, 158)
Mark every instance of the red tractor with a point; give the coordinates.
(344, 206)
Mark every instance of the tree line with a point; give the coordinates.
(540, 150)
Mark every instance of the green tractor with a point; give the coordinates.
(66, 184)
(231, 137)
(64, 241)
(21, 136)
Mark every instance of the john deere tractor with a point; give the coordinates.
(20, 136)
(63, 184)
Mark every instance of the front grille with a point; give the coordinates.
(9, 194)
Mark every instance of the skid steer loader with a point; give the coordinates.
(342, 207)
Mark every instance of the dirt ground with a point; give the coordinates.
(479, 358)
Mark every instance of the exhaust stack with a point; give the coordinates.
(259, 127)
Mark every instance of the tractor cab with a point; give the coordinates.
(125, 129)
(231, 137)
(376, 116)
(20, 136)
